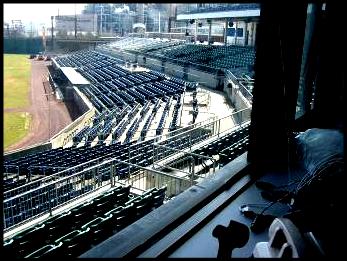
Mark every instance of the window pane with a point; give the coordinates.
(305, 101)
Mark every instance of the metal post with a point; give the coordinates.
(193, 172)
(94, 174)
(218, 127)
(236, 24)
(190, 141)
(50, 203)
(209, 31)
(153, 155)
(225, 31)
(52, 30)
(129, 160)
(159, 23)
(111, 174)
(75, 23)
(49, 119)
(196, 30)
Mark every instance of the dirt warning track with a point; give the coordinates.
(49, 116)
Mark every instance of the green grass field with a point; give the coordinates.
(16, 127)
(17, 70)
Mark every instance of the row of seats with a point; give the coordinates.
(235, 142)
(143, 45)
(227, 148)
(132, 129)
(214, 57)
(75, 231)
(174, 122)
(162, 121)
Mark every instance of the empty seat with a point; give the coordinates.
(74, 243)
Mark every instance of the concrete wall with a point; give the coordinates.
(151, 62)
(236, 98)
(27, 151)
(174, 185)
(173, 69)
(207, 79)
(251, 27)
(65, 135)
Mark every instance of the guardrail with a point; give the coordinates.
(36, 202)
(194, 165)
(246, 93)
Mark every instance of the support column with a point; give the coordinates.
(246, 33)
(209, 31)
(236, 24)
(254, 32)
(251, 34)
(225, 32)
(196, 30)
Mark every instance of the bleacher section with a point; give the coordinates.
(49, 162)
(229, 57)
(143, 44)
(237, 59)
(73, 232)
(114, 88)
(129, 106)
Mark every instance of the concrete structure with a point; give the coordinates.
(237, 21)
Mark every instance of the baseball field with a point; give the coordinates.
(17, 71)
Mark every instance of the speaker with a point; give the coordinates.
(230, 24)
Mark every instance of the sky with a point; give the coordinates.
(38, 14)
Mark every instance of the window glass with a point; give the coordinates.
(305, 101)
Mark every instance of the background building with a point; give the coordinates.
(83, 24)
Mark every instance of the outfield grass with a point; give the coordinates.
(16, 127)
(17, 71)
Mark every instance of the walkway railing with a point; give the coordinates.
(36, 202)
(246, 93)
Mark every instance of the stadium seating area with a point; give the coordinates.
(73, 232)
(228, 57)
(206, 57)
(46, 163)
(143, 44)
(115, 88)
(124, 102)
(42, 164)
(228, 147)
(112, 85)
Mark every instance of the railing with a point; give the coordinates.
(25, 207)
(41, 182)
(194, 165)
(246, 93)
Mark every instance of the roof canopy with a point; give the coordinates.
(74, 77)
